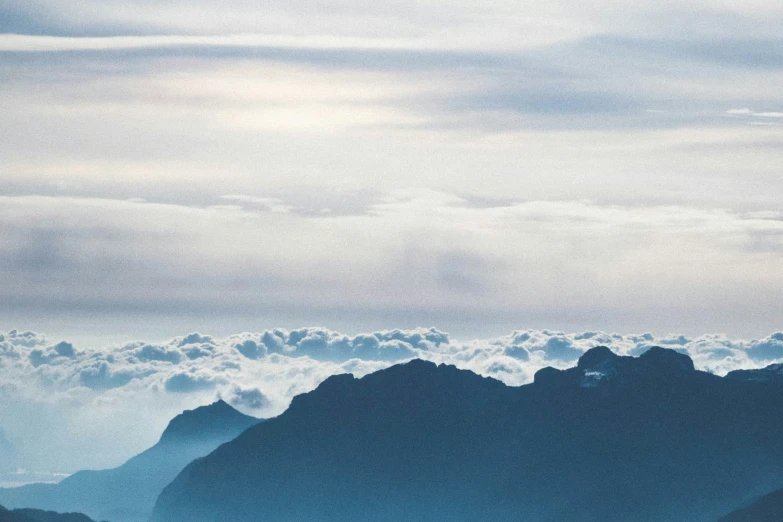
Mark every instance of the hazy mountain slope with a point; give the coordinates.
(8, 457)
(768, 508)
(616, 438)
(128, 493)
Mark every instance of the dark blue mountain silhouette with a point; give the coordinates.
(37, 515)
(772, 373)
(768, 508)
(613, 439)
(128, 493)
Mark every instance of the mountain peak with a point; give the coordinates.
(600, 364)
(666, 359)
(596, 356)
(127, 493)
(203, 422)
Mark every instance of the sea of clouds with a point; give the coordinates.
(65, 408)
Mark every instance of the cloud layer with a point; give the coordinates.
(564, 165)
(105, 404)
(407, 255)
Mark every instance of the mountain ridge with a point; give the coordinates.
(420, 441)
(772, 373)
(127, 493)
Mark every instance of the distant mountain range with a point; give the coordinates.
(612, 439)
(128, 493)
(37, 515)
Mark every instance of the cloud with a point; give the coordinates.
(560, 348)
(748, 112)
(27, 339)
(769, 349)
(53, 354)
(99, 375)
(251, 349)
(189, 382)
(183, 261)
(405, 23)
(196, 338)
(327, 345)
(252, 399)
(64, 349)
(150, 352)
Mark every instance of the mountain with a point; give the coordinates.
(36, 515)
(772, 373)
(128, 493)
(612, 439)
(768, 508)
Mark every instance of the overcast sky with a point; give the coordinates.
(478, 167)
(170, 166)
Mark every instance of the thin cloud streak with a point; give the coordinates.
(40, 43)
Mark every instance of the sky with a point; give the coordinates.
(479, 168)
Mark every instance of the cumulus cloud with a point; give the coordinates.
(250, 398)
(196, 338)
(150, 352)
(185, 382)
(53, 354)
(251, 349)
(98, 374)
(324, 344)
(768, 349)
(27, 339)
(197, 363)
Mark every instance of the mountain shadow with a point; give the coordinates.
(612, 439)
(768, 508)
(37, 515)
(128, 493)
